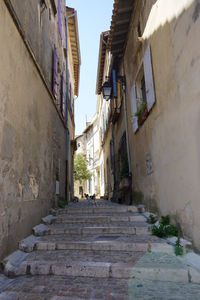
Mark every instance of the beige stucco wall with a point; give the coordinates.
(170, 133)
(31, 140)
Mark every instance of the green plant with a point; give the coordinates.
(178, 247)
(141, 108)
(152, 219)
(165, 220)
(159, 230)
(171, 230)
(164, 228)
(62, 202)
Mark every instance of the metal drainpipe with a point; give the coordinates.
(126, 124)
(113, 151)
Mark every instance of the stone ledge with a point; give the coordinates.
(40, 230)
(50, 219)
(14, 263)
(28, 244)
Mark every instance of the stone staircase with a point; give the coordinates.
(91, 244)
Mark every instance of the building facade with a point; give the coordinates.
(73, 74)
(154, 47)
(80, 188)
(88, 144)
(113, 126)
(33, 91)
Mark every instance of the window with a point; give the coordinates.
(70, 95)
(139, 30)
(59, 19)
(53, 4)
(54, 72)
(140, 88)
(49, 14)
(142, 92)
(62, 95)
(80, 190)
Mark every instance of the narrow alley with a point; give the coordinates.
(99, 149)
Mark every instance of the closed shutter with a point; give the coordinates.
(134, 119)
(55, 70)
(149, 82)
(59, 19)
(61, 95)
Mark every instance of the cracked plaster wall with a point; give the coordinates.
(32, 139)
(170, 135)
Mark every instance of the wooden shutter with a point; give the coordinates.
(59, 19)
(149, 82)
(134, 119)
(61, 95)
(55, 70)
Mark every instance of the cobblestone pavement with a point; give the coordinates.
(103, 263)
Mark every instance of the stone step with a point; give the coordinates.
(79, 288)
(28, 244)
(114, 264)
(156, 289)
(98, 246)
(100, 218)
(71, 263)
(90, 242)
(66, 288)
(94, 210)
(87, 230)
(163, 265)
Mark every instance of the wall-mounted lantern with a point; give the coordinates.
(107, 90)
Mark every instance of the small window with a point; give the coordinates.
(142, 92)
(139, 32)
(49, 14)
(53, 4)
(62, 95)
(140, 88)
(141, 97)
(60, 19)
(54, 71)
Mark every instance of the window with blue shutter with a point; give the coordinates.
(54, 72)
(149, 81)
(142, 93)
(134, 118)
(61, 95)
(59, 18)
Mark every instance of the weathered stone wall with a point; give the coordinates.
(40, 26)
(170, 133)
(32, 132)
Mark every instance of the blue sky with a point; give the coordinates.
(94, 17)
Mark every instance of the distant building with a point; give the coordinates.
(88, 144)
(80, 187)
(35, 148)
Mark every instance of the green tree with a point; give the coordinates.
(81, 172)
